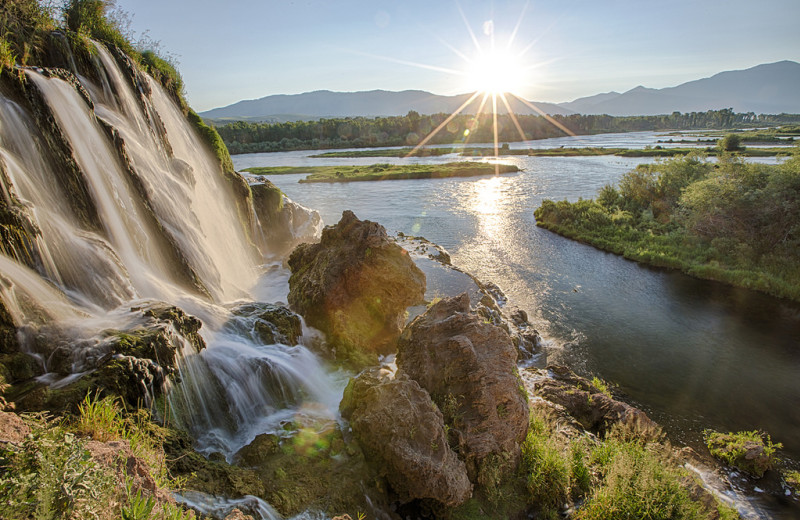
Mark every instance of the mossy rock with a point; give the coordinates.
(749, 451)
(313, 467)
(271, 323)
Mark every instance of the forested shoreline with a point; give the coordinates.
(409, 130)
(734, 222)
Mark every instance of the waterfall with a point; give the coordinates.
(168, 230)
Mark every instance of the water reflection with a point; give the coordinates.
(695, 354)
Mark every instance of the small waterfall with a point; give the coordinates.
(170, 232)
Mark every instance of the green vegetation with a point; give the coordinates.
(409, 130)
(752, 452)
(26, 37)
(784, 134)
(628, 474)
(730, 143)
(381, 172)
(733, 222)
(25, 27)
(391, 152)
(622, 476)
(656, 151)
(52, 474)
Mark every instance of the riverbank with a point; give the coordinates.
(383, 172)
(735, 223)
(475, 151)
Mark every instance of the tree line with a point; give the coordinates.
(410, 129)
(732, 221)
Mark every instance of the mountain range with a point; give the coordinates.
(768, 89)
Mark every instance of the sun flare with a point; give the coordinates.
(496, 76)
(495, 72)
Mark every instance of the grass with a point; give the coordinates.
(638, 482)
(623, 476)
(52, 474)
(380, 172)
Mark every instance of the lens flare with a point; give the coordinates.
(492, 72)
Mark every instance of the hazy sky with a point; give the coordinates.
(562, 49)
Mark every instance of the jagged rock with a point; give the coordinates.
(282, 223)
(469, 368)
(401, 432)
(270, 323)
(587, 404)
(355, 285)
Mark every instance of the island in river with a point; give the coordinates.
(382, 172)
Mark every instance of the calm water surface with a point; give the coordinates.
(694, 354)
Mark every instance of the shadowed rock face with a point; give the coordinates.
(469, 368)
(355, 285)
(401, 431)
(587, 404)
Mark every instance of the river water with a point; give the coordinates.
(694, 354)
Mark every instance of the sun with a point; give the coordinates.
(494, 72)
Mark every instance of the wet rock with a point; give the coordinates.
(259, 450)
(401, 432)
(469, 368)
(355, 285)
(308, 465)
(282, 223)
(134, 363)
(593, 409)
(268, 322)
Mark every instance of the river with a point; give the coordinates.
(694, 354)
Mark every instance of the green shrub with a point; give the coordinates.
(730, 143)
(51, 475)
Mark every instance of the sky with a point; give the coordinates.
(545, 50)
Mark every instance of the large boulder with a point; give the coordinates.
(587, 404)
(401, 431)
(355, 285)
(469, 368)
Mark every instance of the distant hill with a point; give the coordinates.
(373, 103)
(771, 88)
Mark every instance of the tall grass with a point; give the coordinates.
(629, 474)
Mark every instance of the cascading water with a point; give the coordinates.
(169, 231)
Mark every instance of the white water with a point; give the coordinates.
(169, 201)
